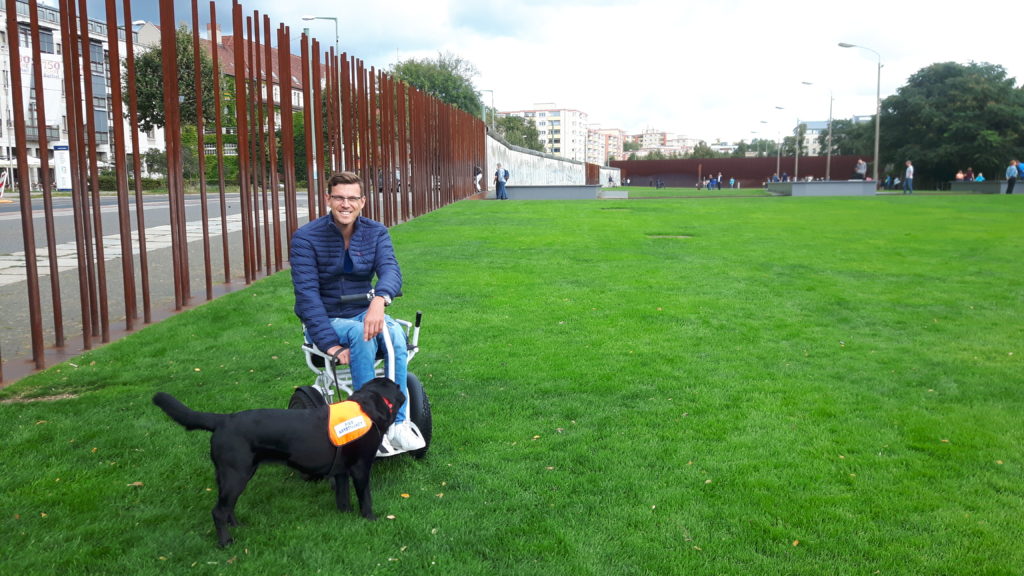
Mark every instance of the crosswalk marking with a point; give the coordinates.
(13, 266)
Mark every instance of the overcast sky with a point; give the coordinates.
(707, 69)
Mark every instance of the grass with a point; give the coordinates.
(651, 192)
(753, 386)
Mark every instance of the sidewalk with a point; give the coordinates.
(12, 266)
(15, 320)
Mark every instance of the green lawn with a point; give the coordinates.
(749, 386)
(650, 192)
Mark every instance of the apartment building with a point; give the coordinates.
(605, 144)
(563, 131)
(96, 72)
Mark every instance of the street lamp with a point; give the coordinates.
(492, 108)
(796, 141)
(766, 143)
(878, 102)
(828, 162)
(335, 27)
(338, 153)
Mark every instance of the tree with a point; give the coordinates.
(950, 116)
(149, 85)
(849, 137)
(449, 79)
(156, 161)
(702, 150)
(630, 146)
(762, 147)
(741, 149)
(519, 131)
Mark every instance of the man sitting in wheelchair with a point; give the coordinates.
(337, 256)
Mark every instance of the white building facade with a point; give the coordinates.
(563, 131)
(97, 72)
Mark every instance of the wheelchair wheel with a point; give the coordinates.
(419, 412)
(306, 398)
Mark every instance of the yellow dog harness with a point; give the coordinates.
(347, 422)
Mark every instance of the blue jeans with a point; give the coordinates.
(908, 186)
(500, 192)
(363, 354)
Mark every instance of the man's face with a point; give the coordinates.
(346, 202)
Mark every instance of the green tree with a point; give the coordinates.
(762, 147)
(149, 83)
(741, 149)
(519, 131)
(449, 78)
(299, 136)
(849, 137)
(702, 150)
(156, 161)
(189, 154)
(630, 146)
(950, 116)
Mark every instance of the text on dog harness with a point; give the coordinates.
(347, 422)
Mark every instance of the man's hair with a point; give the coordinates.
(345, 178)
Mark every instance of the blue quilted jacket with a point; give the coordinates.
(322, 272)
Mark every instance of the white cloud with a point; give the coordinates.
(706, 69)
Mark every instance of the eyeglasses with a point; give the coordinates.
(346, 199)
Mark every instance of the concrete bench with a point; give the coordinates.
(565, 192)
(986, 187)
(823, 188)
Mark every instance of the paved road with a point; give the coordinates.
(15, 336)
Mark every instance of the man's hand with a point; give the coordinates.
(340, 353)
(373, 322)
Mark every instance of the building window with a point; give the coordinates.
(46, 41)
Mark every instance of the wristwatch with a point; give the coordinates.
(387, 299)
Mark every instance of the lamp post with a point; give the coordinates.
(341, 157)
(796, 142)
(766, 143)
(335, 19)
(312, 172)
(878, 102)
(828, 162)
(492, 108)
(797, 137)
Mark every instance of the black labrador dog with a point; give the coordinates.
(299, 438)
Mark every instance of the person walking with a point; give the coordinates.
(1012, 173)
(908, 179)
(500, 179)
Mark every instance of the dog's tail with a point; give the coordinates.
(186, 416)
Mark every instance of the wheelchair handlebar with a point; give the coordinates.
(350, 298)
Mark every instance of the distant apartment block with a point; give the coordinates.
(562, 131)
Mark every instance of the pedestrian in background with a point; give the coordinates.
(500, 179)
(1012, 173)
